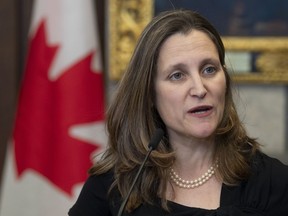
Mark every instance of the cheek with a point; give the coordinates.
(222, 101)
(166, 101)
(220, 93)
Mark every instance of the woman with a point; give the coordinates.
(177, 80)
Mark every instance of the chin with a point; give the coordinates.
(204, 134)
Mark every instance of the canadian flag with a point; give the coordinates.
(59, 124)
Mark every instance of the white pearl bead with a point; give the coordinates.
(187, 184)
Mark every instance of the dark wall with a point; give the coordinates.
(9, 66)
(15, 18)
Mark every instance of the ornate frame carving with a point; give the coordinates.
(127, 18)
(272, 61)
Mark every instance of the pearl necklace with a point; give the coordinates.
(190, 184)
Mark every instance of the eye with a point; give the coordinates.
(176, 76)
(209, 70)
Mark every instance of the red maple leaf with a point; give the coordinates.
(46, 111)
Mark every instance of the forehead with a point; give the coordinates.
(193, 42)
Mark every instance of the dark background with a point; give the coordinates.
(237, 17)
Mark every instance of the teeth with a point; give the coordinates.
(200, 111)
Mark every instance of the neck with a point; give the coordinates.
(193, 159)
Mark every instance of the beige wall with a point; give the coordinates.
(263, 109)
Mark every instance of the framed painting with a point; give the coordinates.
(256, 40)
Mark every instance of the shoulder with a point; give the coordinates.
(93, 198)
(268, 185)
(269, 167)
(273, 174)
(97, 185)
(99, 182)
(264, 192)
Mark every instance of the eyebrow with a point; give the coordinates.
(183, 66)
(174, 67)
(215, 61)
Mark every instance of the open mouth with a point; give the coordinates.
(200, 109)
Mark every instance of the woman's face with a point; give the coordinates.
(190, 86)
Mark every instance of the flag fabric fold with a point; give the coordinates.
(59, 123)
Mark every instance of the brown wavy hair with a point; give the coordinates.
(132, 119)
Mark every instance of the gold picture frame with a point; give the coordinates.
(127, 19)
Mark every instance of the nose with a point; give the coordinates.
(197, 88)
